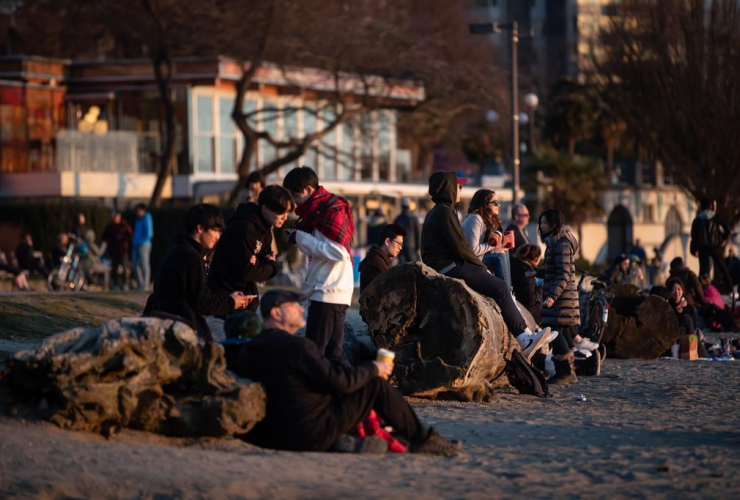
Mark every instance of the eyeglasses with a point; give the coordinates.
(495, 203)
(398, 243)
(524, 215)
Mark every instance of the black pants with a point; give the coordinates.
(710, 256)
(348, 411)
(564, 341)
(483, 282)
(325, 326)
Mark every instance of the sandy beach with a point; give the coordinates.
(648, 429)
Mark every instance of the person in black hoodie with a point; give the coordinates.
(180, 286)
(311, 401)
(709, 236)
(524, 264)
(244, 253)
(380, 256)
(445, 249)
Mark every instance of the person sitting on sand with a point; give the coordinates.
(312, 401)
(380, 256)
(180, 285)
(445, 249)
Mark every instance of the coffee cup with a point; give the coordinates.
(386, 355)
(509, 239)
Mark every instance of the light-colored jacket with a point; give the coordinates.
(475, 233)
(330, 277)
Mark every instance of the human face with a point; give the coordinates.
(676, 292)
(275, 219)
(521, 218)
(140, 212)
(254, 189)
(625, 265)
(117, 219)
(459, 193)
(303, 196)
(492, 205)
(394, 246)
(544, 226)
(290, 316)
(208, 238)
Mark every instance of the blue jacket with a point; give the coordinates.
(143, 230)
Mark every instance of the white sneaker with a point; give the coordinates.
(585, 352)
(586, 344)
(552, 336)
(529, 342)
(549, 366)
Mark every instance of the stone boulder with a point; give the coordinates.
(148, 374)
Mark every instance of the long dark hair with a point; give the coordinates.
(554, 219)
(528, 253)
(478, 206)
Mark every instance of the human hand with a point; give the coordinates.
(384, 369)
(270, 256)
(494, 240)
(509, 237)
(241, 301)
(253, 260)
(548, 302)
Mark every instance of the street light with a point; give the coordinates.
(513, 28)
(532, 101)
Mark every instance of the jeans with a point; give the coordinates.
(325, 326)
(142, 266)
(498, 264)
(483, 282)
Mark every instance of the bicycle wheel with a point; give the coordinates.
(77, 280)
(57, 279)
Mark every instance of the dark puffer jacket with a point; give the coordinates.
(560, 280)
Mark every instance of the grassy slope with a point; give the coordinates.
(28, 318)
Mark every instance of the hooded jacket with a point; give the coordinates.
(443, 242)
(375, 262)
(560, 280)
(247, 233)
(180, 288)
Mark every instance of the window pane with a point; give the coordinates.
(205, 154)
(384, 144)
(250, 106)
(204, 105)
(310, 159)
(270, 125)
(366, 147)
(226, 124)
(329, 150)
(227, 150)
(347, 149)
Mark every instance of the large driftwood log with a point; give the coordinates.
(447, 338)
(143, 373)
(639, 327)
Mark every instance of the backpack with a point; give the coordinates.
(524, 377)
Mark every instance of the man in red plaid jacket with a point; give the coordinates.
(324, 233)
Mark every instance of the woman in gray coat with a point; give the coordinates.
(560, 306)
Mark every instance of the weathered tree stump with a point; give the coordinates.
(639, 327)
(143, 373)
(447, 338)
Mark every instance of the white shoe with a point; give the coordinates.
(529, 342)
(586, 344)
(552, 336)
(549, 366)
(585, 352)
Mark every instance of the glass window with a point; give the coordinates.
(225, 123)
(227, 155)
(366, 147)
(205, 113)
(270, 120)
(384, 146)
(204, 134)
(347, 152)
(311, 157)
(329, 146)
(204, 147)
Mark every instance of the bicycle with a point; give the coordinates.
(596, 312)
(69, 276)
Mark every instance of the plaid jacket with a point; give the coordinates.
(330, 215)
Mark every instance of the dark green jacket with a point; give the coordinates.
(442, 239)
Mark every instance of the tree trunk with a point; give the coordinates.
(248, 136)
(447, 338)
(163, 72)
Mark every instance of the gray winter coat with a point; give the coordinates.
(560, 280)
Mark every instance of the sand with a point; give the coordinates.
(658, 429)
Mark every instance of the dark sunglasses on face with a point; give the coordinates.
(494, 203)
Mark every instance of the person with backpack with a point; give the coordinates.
(445, 249)
(709, 236)
(324, 233)
(560, 306)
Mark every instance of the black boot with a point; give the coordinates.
(565, 370)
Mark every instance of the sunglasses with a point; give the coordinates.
(494, 203)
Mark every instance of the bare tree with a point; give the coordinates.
(673, 68)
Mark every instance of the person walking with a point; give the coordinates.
(142, 247)
(709, 236)
(445, 249)
(484, 233)
(324, 233)
(408, 220)
(560, 306)
(117, 237)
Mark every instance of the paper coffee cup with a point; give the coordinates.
(386, 355)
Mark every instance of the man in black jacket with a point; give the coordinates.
(709, 236)
(380, 256)
(310, 400)
(244, 255)
(180, 285)
(520, 219)
(445, 249)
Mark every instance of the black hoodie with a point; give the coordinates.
(375, 262)
(442, 239)
(247, 233)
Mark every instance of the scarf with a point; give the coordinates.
(333, 219)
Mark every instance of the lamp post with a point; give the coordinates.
(532, 101)
(513, 28)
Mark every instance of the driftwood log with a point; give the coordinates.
(447, 338)
(638, 327)
(147, 374)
